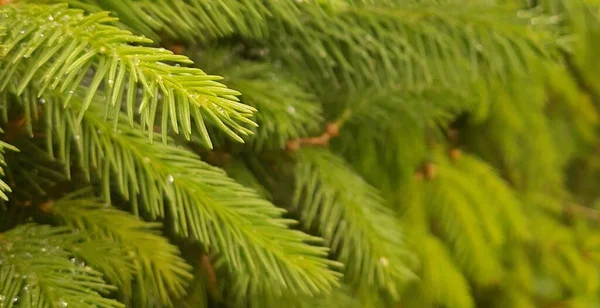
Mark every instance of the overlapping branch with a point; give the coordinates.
(62, 49)
(199, 201)
(34, 265)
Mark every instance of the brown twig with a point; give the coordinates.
(590, 213)
(332, 130)
(46, 207)
(210, 272)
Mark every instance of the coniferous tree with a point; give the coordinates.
(309, 153)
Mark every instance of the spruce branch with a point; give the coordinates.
(350, 215)
(159, 272)
(33, 269)
(507, 207)
(443, 282)
(396, 119)
(415, 44)
(60, 46)
(475, 212)
(340, 297)
(240, 172)
(193, 20)
(287, 111)
(4, 188)
(200, 201)
(359, 44)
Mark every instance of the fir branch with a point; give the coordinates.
(58, 46)
(238, 170)
(194, 20)
(376, 119)
(287, 111)
(4, 188)
(527, 148)
(380, 43)
(416, 44)
(351, 217)
(340, 297)
(457, 215)
(506, 207)
(561, 255)
(248, 233)
(159, 271)
(443, 283)
(34, 266)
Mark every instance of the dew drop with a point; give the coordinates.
(50, 18)
(41, 34)
(170, 178)
(146, 160)
(76, 231)
(76, 137)
(15, 299)
(136, 61)
(263, 52)
(27, 255)
(110, 82)
(291, 109)
(71, 92)
(42, 100)
(26, 288)
(522, 14)
(102, 49)
(22, 31)
(384, 261)
(62, 303)
(2, 298)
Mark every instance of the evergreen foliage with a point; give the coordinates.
(263, 153)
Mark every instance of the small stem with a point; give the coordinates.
(332, 130)
(210, 272)
(590, 213)
(344, 117)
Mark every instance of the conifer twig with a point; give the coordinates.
(587, 212)
(332, 130)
